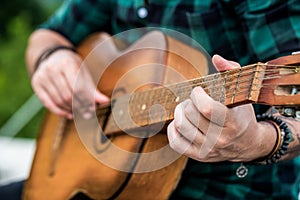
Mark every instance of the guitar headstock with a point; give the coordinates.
(281, 82)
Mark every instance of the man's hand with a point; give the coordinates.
(208, 131)
(54, 82)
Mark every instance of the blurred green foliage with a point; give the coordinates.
(14, 8)
(17, 20)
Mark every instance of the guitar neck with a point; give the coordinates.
(258, 83)
(157, 105)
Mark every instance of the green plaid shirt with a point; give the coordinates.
(240, 30)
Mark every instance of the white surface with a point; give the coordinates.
(15, 158)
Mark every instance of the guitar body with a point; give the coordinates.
(64, 166)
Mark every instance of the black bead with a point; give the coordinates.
(284, 148)
(286, 136)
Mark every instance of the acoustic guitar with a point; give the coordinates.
(155, 70)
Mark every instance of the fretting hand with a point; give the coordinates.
(208, 131)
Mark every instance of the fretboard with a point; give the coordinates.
(157, 105)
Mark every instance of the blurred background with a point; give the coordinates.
(21, 113)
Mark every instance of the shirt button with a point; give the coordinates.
(142, 12)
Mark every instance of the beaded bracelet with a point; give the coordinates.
(284, 137)
(50, 51)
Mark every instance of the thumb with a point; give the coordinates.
(222, 64)
(101, 98)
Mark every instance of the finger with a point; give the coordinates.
(184, 126)
(101, 98)
(79, 84)
(51, 79)
(55, 94)
(195, 117)
(45, 83)
(70, 72)
(176, 141)
(83, 88)
(64, 89)
(212, 110)
(83, 106)
(182, 146)
(51, 106)
(222, 64)
(64, 92)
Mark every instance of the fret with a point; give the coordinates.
(235, 83)
(165, 99)
(251, 84)
(211, 93)
(205, 83)
(257, 81)
(143, 109)
(195, 82)
(168, 103)
(172, 102)
(123, 111)
(246, 82)
(222, 95)
(134, 102)
(155, 106)
(200, 82)
(163, 102)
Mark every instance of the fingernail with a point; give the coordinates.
(234, 64)
(87, 115)
(70, 116)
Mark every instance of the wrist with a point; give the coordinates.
(49, 51)
(283, 139)
(268, 135)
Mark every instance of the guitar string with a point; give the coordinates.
(236, 72)
(142, 118)
(144, 115)
(205, 85)
(222, 84)
(218, 84)
(268, 74)
(201, 81)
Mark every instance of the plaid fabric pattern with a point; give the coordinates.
(243, 30)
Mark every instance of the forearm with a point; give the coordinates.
(40, 41)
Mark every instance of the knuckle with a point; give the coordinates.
(48, 105)
(178, 125)
(234, 128)
(171, 132)
(188, 109)
(36, 79)
(207, 110)
(60, 102)
(49, 69)
(66, 62)
(222, 142)
(172, 145)
(67, 98)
